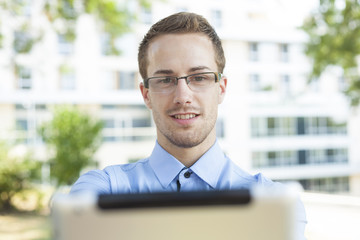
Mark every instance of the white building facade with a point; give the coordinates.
(272, 121)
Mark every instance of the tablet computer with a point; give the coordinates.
(213, 215)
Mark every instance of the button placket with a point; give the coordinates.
(185, 175)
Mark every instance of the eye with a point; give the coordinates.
(165, 80)
(199, 78)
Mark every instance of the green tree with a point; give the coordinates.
(113, 17)
(73, 137)
(334, 33)
(16, 175)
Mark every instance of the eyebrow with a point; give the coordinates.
(198, 68)
(170, 72)
(164, 72)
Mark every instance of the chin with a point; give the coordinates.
(187, 142)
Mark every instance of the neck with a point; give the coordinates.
(187, 156)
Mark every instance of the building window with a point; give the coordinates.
(109, 123)
(126, 123)
(112, 131)
(119, 80)
(323, 126)
(40, 107)
(105, 44)
(20, 107)
(284, 52)
(22, 125)
(255, 84)
(298, 157)
(274, 159)
(330, 185)
(24, 78)
(220, 128)
(23, 42)
(285, 84)
(327, 156)
(258, 159)
(316, 125)
(67, 80)
(290, 126)
(126, 129)
(280, 126)
(126, 80)
(216, 18)
(334, 127)
(123, 107)
(258, 127)
(108, 106)
(342, 84)
(108, 80)
(146, 16)
(65, 46)
(23, 107)
(253, 52)
(314, 85)
(301, 157)
(141, 122)
(272, 126)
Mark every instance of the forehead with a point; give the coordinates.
(180, 52)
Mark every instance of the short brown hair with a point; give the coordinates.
(182, 22)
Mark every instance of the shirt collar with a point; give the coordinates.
(167, 167)
(210, 165)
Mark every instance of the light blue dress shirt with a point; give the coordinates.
(162, 172)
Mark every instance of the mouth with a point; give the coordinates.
(186, 116)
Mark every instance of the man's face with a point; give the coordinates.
(183, 118)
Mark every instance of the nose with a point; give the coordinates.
(183, 93)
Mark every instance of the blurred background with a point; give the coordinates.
(69, 99)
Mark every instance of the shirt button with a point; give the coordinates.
(187, 174)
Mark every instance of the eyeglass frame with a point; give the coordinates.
(218, 77)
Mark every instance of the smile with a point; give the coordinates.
(184, 116)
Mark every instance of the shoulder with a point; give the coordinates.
(92, 181)
(121, 174)
(261, 179)
(114, 178)
(129, 167)
(245, 178)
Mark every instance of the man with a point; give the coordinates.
(181, 61)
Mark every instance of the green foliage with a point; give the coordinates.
(334, 32)
(16, 175)
(112, 16)
(24, 39)
(74, 137)
(25, 36)
(267, 88)
(114, 19)
(1, 37)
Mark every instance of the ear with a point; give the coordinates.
(145, 95)
(222, 88)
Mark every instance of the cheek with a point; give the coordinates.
(208, 103)
(155, 101)
(213, 98)
(156, 104)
